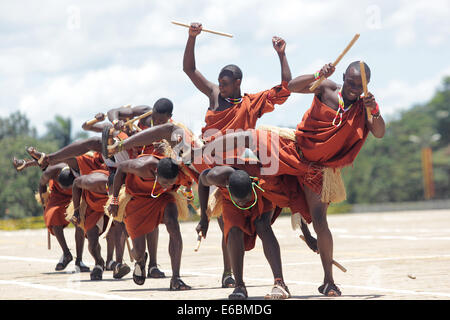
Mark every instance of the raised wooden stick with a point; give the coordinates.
(318, 82)
(364, 83)
(206, 30)
(199, 240)
(334, 262)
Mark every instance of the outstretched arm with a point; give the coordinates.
(75, 149)
(118, 115)
(95, 127)
(302, 83)
(153, 134)
(206, 87)
(280, 47)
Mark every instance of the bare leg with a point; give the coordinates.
(58, 231)
(175, 246)
(272, 253)
(235, 246)
(236, 250)
(152, 246)
(318, 211)
(68, 153)
(110, 244)
(139, 254)
(138, 251)
(94, 245)
(270, 244)
(67, 256)
(225, 254)
(120, 239)
(175, 242)
(79, 242)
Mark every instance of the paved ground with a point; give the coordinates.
(401, 256)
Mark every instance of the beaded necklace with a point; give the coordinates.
(153, 189)
(341, 108)
(254, 184)
(234, 100)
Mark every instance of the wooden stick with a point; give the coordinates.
(199, 240)
(318, 82)
(364, 83)
(363, 77)
(206, 30)
(108, 227)
(148, 113)
(48, 240)
(334, 262)
(129, 250)
(137, 128)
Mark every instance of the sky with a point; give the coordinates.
(78, 58)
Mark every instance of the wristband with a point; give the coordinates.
(317, 75)
(376, 111)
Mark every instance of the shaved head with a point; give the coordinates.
(355, 66)
(240, 184)
(232, 71)
(167, 168)
(66, 177)
(163, 105)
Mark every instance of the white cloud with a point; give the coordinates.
(412, 17)
(399, 94)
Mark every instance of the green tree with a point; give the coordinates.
(60, 130)
(16, 124)
(18, 188)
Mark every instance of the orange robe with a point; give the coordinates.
(95, 206)
(319, 144)
(283, 191)
(88, 163)
(144, 213)
(58, 201)
(245, 114)
(326, 145)
(244, 219)
(242, 116)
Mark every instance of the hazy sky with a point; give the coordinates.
(77, 58)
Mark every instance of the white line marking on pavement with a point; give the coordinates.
(412, 238)
(65, 290)
(366, 288)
